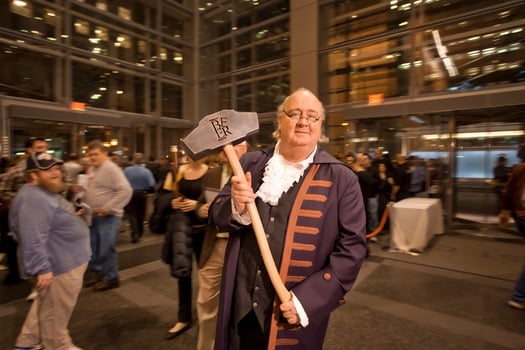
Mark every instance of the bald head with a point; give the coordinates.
(400, 158)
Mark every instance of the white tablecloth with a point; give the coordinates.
(413, 222)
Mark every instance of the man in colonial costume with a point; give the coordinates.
(312, 211)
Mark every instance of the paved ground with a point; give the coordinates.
(452, 296)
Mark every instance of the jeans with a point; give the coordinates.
(519, 289)
(103, 233)
(372, 221)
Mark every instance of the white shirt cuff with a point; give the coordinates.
(300, 311)
(243, 219)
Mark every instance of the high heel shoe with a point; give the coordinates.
(172, 335)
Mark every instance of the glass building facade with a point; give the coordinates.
(441, 80)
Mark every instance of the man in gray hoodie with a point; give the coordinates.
(107, 194)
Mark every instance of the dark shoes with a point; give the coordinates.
(105, 285)
(98, 283)
(172, 335)
(93, 279)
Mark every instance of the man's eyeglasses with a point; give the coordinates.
(297, 114)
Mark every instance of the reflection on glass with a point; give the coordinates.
(468, 52)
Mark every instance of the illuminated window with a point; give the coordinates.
(102, 5)
(178, 58)
(163, 54)
(101, 33)
(123, 41)
(82, 27)
(22, 8)
(124, 13)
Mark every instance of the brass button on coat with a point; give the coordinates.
(327, 276)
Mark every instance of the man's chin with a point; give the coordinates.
(54, 187)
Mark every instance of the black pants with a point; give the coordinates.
(136, 212)
(249, 334)
(9, 247)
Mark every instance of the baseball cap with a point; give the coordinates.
(41, 161)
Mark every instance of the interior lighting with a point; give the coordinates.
(20, 3)
(120, 92)
(488, 51)
(475, 135)
(365, 139)
(417, 120)
(443, 54)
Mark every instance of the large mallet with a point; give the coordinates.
(222, 130)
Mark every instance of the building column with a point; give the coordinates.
(304, 42)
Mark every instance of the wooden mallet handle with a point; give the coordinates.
(283, 294)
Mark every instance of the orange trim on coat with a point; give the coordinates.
(310, 213)
(290, 245)
(300, 263)
(315, 197)
(303, 247)
(306, 230)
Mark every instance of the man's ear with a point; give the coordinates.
(33, 176)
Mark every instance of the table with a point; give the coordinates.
(413, 223)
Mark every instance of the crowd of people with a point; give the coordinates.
(383, 180)
(61, 220)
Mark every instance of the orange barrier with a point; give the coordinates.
(381, 223)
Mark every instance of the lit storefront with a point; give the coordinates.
(441, 80)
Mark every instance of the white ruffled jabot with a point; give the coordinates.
(280, 175)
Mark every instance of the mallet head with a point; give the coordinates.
(221, 128)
